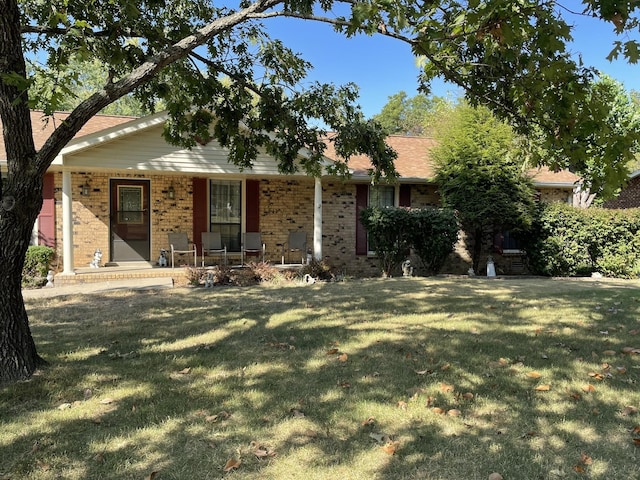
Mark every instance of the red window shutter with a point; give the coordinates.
(200, 210)
(253, 206)
(405, 196)
(47, 216)
(362, 200)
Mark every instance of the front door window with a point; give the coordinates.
(226, 212)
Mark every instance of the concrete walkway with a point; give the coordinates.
(98, 287)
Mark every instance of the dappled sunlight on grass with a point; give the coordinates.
(398, 378)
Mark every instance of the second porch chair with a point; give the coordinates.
(212, 243)
(253, 245)
(297, 242)
(181, 245)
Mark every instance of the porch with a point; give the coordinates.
(142, 271)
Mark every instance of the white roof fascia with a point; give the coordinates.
(112, 133)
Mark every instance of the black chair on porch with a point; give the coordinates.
(297, 242)
(212, 244)
(253, 246)
(181, 245)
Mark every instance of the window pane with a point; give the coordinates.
(381, 196)
(226, 211)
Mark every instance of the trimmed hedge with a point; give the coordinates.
(393, 231)
(36, 265)
(567, 241)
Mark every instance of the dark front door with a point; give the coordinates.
(130, 232)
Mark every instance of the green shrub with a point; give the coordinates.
(392, 231)
(433, 235)
(566, 241)
(388, 229)
(37, 262)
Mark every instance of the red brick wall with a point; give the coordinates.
(629, 197)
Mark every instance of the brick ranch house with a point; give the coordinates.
(629, 196)
(117, 165)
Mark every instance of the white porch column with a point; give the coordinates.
(317, 219)
(67, 225)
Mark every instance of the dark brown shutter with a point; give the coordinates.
(47, 216)
(405, 196)
(200, 209)
(253, 205)
(362, 199)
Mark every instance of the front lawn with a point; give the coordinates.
(435, 378)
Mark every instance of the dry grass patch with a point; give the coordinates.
(398, 378)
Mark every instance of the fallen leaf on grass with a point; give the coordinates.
(391, 447)
(578, 468)
(534, 375)
(231, 464)
(629, 410)
(332, 351)
(107, 401)
(297, 413)
(597, 376)
(402, 404)
(369, 421)
(343, 358)
(424, 372)
(380, 437)
(185, 371)
(631, 350)
(495, 476)
(586, 459)
(152, 475)
(543, 388)
(446, 388)
(609, 353)
(635, 430)
(588, 388)
(438, 410)
(454, 412)
(260, 451)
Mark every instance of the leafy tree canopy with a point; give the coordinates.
(416, 115)
(480, 174)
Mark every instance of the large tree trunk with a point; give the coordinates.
(20, 202)
(18, 356)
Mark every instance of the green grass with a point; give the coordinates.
(316, 382)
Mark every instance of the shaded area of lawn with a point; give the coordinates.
(398, 378)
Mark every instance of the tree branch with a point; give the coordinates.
(111, 92)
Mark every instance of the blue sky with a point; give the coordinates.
(383, 66)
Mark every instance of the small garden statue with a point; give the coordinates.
(407, 269)
(97, 258)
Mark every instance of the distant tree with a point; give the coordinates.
(479, 174)
(607, 152)
(73, 85)
(415, 116)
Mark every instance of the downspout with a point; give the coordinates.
(317, 219)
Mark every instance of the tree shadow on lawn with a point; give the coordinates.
(328, 377)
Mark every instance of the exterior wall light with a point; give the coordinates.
(171, 192)
(85, 190)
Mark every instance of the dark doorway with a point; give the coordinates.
(130, 220)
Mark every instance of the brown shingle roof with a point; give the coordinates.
(414, 161)
(43, 126)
